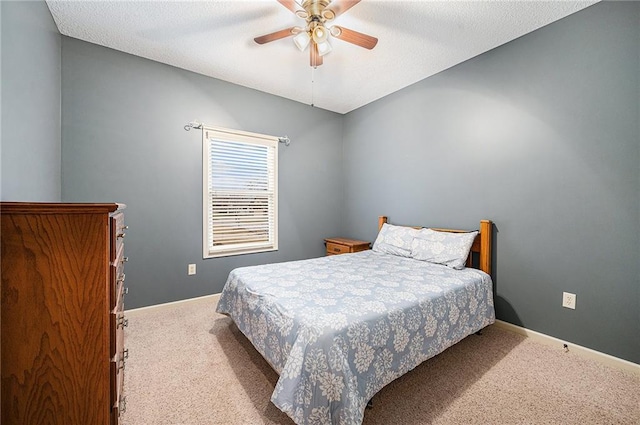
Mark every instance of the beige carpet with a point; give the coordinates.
(189, 365)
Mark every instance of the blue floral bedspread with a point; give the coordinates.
(337, 329)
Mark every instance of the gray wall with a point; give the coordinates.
(31, 63)
(123, 140)
(540, 135)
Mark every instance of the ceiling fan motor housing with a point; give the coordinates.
(316, 10)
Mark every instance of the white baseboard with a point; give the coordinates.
(135, 311)
(578, 349)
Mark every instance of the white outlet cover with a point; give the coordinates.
(192, 269)
(569, 300)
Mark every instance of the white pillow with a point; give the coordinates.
(449, 249)
(395, 240)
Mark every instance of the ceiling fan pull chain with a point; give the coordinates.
(312, 81)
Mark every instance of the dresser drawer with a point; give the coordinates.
(116, 282)
(120, 351)
(117, 379)
(117, 382)
(333, 248)
(120, 408)
(115, 416)
(118, 322)
(117, 276)
(118, 364)
(118, 233)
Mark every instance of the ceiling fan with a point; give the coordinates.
(317, 13)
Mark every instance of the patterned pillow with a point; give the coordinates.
(395, 240)
(449, 249)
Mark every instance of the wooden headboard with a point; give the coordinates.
(481, 245)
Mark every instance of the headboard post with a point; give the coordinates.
(486, 232)
(381, 220)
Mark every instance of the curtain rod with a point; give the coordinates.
(198, 126)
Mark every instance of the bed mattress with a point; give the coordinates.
(337, 329)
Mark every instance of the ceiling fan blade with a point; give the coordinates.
(315, 58)
(338, 7)
(355, 37)
(274, 36)
(290, 4)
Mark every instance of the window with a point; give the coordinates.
(240, 192)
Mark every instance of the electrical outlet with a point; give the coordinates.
(192, 269)
(569, 300)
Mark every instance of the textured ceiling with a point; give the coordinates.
(215, 38)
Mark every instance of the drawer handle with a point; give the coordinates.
(121, 235)
(122, 278)
(122, 405)
(336, 249)
(121, 366)
(122, 322)
(125, 353)
(126, 291)
(124, 260)
(124, 227)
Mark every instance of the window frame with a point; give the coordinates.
(225, 134)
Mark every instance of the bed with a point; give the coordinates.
(337, 329)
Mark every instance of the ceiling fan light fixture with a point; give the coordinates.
(301, 40)
(320, 34)
(323, 48)
(328, 14)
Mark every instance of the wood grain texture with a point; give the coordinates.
(57, 208)
(267, 38)
(381, 221)
(340, 6)
(315, 59)
(345, 246)
(486, 234)
(54, 317)
(290, 4)
(357, 38)
(334, 248)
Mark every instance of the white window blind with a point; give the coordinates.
(240, 192)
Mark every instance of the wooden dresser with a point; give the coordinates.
(344, 246)
(62, 313)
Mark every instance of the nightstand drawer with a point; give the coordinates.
(337, 246)
(333, 248)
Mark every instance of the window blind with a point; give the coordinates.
(241, 198)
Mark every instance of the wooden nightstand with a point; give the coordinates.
(344, 246)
